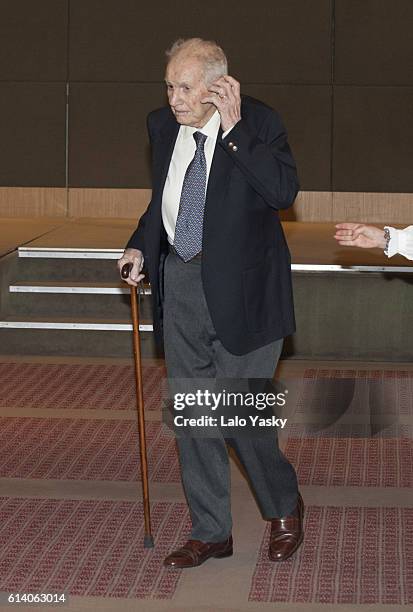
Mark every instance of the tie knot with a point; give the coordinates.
(200, 139)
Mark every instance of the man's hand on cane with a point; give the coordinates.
(134, 257)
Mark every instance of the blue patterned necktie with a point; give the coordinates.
(189, 223)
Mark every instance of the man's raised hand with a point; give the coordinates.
(226, 96)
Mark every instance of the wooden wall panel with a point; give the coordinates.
(373, 207)
(115, 203)
(33, 202)
(310, 206)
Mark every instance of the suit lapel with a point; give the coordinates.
(163, 154)
(218, 177)
(162, 148)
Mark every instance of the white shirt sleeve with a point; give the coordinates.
(227, 132)
(401, 241)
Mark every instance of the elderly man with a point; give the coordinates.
(219, 268)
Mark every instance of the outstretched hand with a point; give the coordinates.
(360, 235)
(226, 96)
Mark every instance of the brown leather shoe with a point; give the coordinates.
(195, 552)
(286, 533)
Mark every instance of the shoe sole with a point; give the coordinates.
(229, 553)
(215, 556)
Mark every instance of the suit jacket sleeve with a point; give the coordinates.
(137, 240)
(265, 159)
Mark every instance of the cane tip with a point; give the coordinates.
(148, 541)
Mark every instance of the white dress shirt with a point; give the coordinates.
(401, 241)
(182, 156)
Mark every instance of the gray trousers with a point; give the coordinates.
(192, 350)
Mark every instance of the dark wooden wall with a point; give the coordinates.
(77, 78)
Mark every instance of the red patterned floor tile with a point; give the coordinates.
(101, 386)
(354, 462)
(379, 374)
(84, 449)
(92, 548)
(349, 556)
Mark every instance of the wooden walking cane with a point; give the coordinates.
(148, 539)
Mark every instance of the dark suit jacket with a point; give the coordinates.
(246, 271)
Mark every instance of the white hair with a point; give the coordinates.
(213, 58)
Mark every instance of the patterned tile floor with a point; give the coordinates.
(77, 386)
(88, 547)
(350, 555)
(84, 449)
(358, 548)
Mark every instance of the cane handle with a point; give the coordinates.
(125, 271)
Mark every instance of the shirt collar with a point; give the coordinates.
(210, 129)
